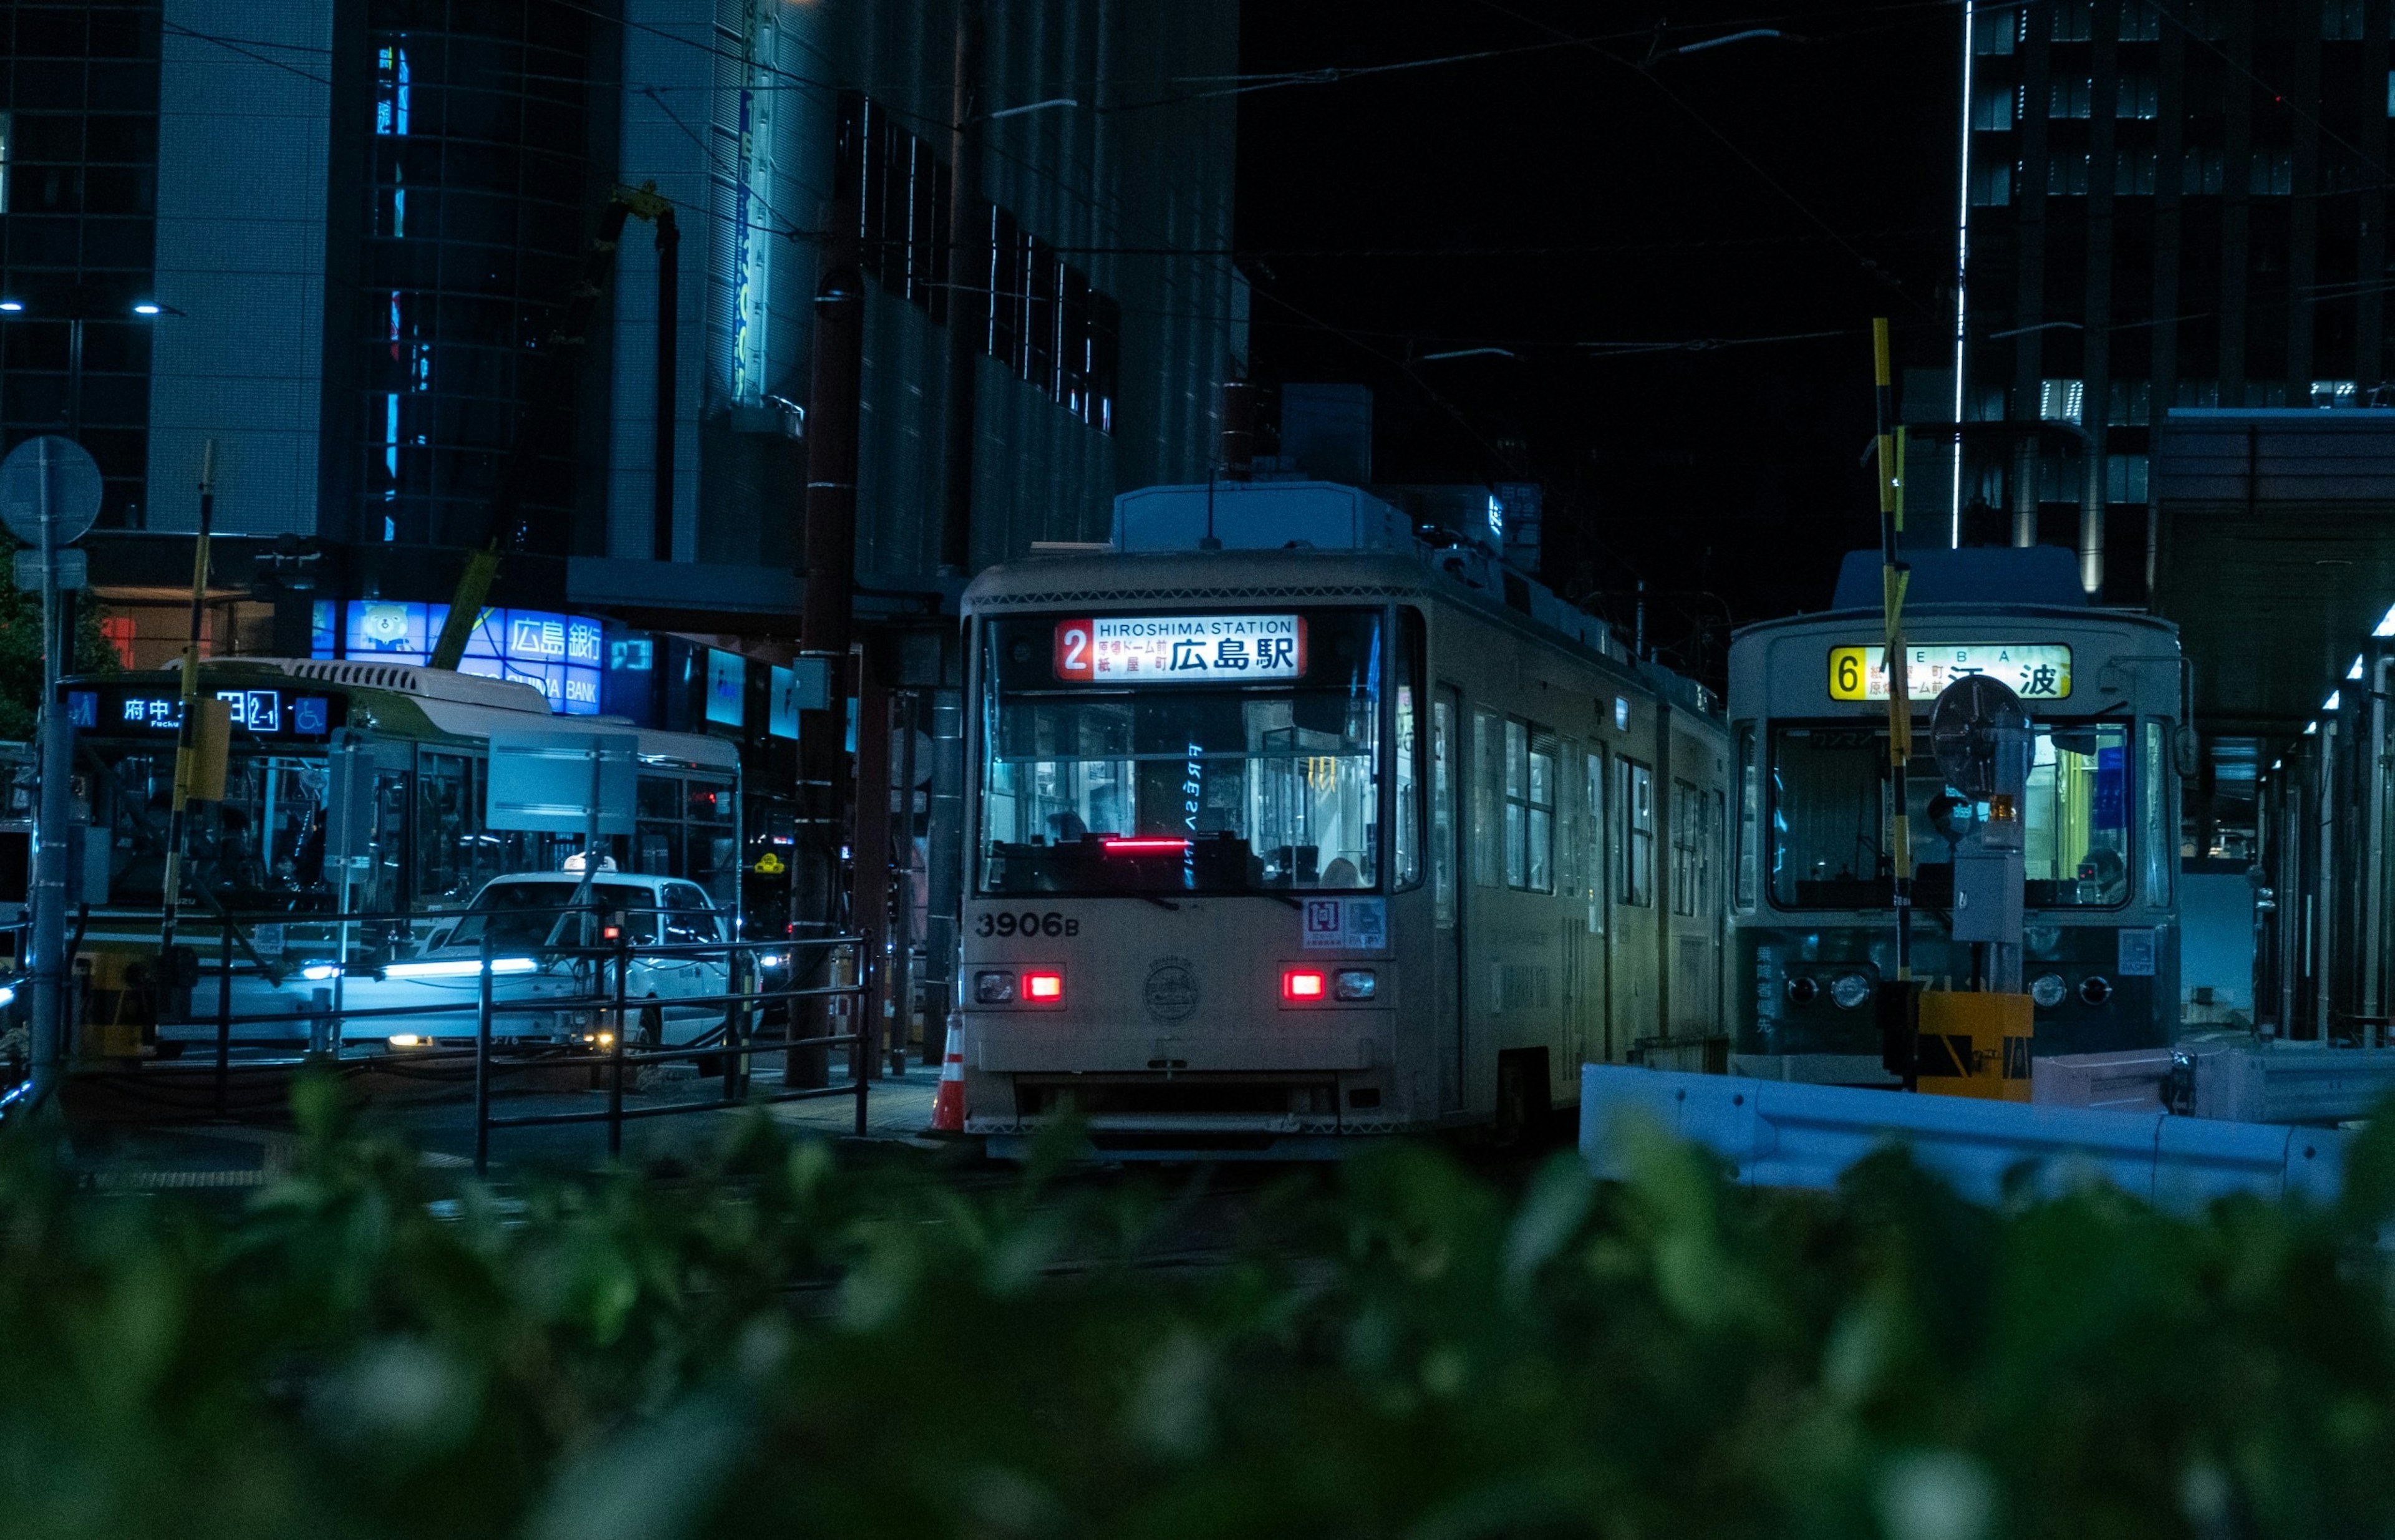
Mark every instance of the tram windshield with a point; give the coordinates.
(1099, 782)
(1829, 818)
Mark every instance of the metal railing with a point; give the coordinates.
(601, 966)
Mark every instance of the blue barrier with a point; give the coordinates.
(1780, 1134)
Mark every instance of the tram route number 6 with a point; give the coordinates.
(1028, 923)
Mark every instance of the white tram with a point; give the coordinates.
(1814, 940)
(1300, 828)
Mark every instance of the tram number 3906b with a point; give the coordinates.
(1028, 923)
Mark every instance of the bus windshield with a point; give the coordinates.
(1102, 782)
(1829, 818)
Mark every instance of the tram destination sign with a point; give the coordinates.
(2034, 671)
(1177, 649)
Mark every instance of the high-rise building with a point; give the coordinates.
(2163, 203)
(360, 223)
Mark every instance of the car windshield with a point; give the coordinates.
(533, 912)
(1829, 818)
(1102, 781)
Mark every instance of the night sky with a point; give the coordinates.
(1558, 195)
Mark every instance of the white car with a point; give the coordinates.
(542, 948)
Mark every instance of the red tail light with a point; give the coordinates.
(1048, 985)
(1144, 845)
(1302, 984)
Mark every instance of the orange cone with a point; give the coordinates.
(948, 1103)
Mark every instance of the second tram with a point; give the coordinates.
(1813, 939)
(1272, 844)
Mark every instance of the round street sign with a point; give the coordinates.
(1962, 727)
(50, 475)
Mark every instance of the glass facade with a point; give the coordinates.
(479, 201)
(79, 196)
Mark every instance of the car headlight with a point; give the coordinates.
(1354, 984)
(1802, 991)
(1849, 989)
(316, 972)
(993, 989)
(2046, 991)
(2094, 988)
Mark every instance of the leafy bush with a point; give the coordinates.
(781, 1346)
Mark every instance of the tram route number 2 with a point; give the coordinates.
(1028, 923)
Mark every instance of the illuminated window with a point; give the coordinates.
(4, 162)
(1638, 831)
(117, 632)
(391, 89)
(1530, 807)
(2061, 400)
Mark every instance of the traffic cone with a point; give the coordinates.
(949, 1102)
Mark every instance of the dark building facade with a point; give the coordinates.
(2165, 203)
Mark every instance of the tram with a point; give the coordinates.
(258, 856)
(1813, 940)
(1287, 825)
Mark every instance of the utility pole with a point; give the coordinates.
(188, 729)
(831, 552)
(1896, 1008)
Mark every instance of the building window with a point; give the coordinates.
(1638, 831)
(2125, 479)
(2133, 174)
(2341, 20)
(2274, 173)
(1530, 807)
(2075, 20)
(391, 88)
(2067, 96)
(2265, 392)
(2136, 97)
(2332, 392)
(1991, 186)
(2140, 22)
(1992, 107)
(2199, 172)
(1038, 314)
(2061, 400)
(2066, 177)
(4, 120)
(2203, 394)
(2130, 403)
(117, 632)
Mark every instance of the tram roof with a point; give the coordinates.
(459, 704)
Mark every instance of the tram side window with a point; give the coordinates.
(1593, 872)
(1690, 869)
(1530, 807)
(2161, 830)
(1567, 821)
(1749, 819)
(1488, 792)
(1409, 745)
(1442, 807)
(1638, 833)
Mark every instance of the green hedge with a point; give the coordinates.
(781, 1346)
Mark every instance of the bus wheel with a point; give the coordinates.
(1522, 1107)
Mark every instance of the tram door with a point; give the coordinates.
(1446, 775)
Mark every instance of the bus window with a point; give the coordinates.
(1638, 831)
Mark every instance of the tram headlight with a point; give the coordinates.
(1354, 984)
(2046, 991)
(1802, 991)
(1849, 989)
(993, 989)
(2094, 988)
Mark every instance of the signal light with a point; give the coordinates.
(1144, 845)
(1047, 986)
(1302, 984)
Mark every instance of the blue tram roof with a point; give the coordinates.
(2046, 576)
